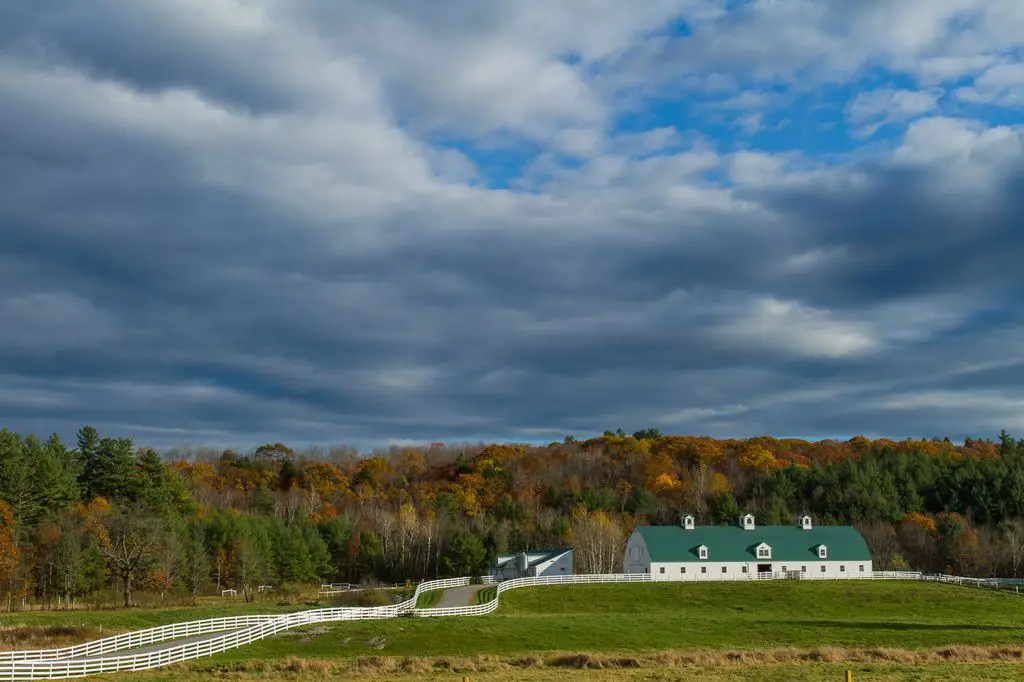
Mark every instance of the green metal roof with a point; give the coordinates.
(732, 543)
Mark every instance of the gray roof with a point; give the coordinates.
(548, 554)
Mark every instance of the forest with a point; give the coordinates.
(104, 522)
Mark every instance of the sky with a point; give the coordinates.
(229, 222)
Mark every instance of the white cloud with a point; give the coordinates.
(965, 150)
(1002, 85)
(750, 123)
(875, 108)
(805, 42)
(795, 329)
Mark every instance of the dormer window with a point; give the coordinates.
(805, 522)
(688, 522)
(764, 551)
(702, 552)
(822, 552)
(747, 522)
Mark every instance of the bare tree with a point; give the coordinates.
(169, 560)
(196, 565)
(1013, 532)
(882, 541)
(598, 542)
(128, 541)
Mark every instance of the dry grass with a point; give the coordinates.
(44, 637)
(685, 663)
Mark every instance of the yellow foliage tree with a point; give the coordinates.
(719, 484)
(756, 457)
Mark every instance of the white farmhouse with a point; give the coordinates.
(534, 563)
(744, 551)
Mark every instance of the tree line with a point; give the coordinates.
(81, 522)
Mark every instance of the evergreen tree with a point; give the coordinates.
(89, 460)
(16, 476)
(54, 483)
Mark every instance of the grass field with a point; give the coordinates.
(886, 630)
(643, 618)
(427, 600)
(487, 594)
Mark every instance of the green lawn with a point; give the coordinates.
(487, 594)
(643, 618)
(427, 600)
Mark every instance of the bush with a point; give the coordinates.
(369, 597)
(373, 598)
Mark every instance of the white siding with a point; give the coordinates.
(636, 559)
(733, 570)
(560, 565)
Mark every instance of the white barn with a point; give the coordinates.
(533, 563)
(745, 551)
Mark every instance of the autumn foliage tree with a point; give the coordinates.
(9, 552)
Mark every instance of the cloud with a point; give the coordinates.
(798, 330)
(805, 41)
(1001, 85)
(296, 221)
(873, 109)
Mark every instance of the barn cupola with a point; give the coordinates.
(747, 522)
(688, 522)
(804, 522)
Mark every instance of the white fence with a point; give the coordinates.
(335, 589)
(481, 609)
(95, 657)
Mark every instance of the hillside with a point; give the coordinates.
(204, 520)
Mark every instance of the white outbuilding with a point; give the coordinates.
(533, 563)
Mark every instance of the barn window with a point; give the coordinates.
(724, 569)
(702, 552)
(744, 569)
(703, 569)
(764, 552)
(661, 570)
(822, 569)
(822, 552)
(803, 569)
(842, 568)
(682, 570)
(862, 568)
(783, 568)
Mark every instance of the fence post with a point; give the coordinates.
(849, 676)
